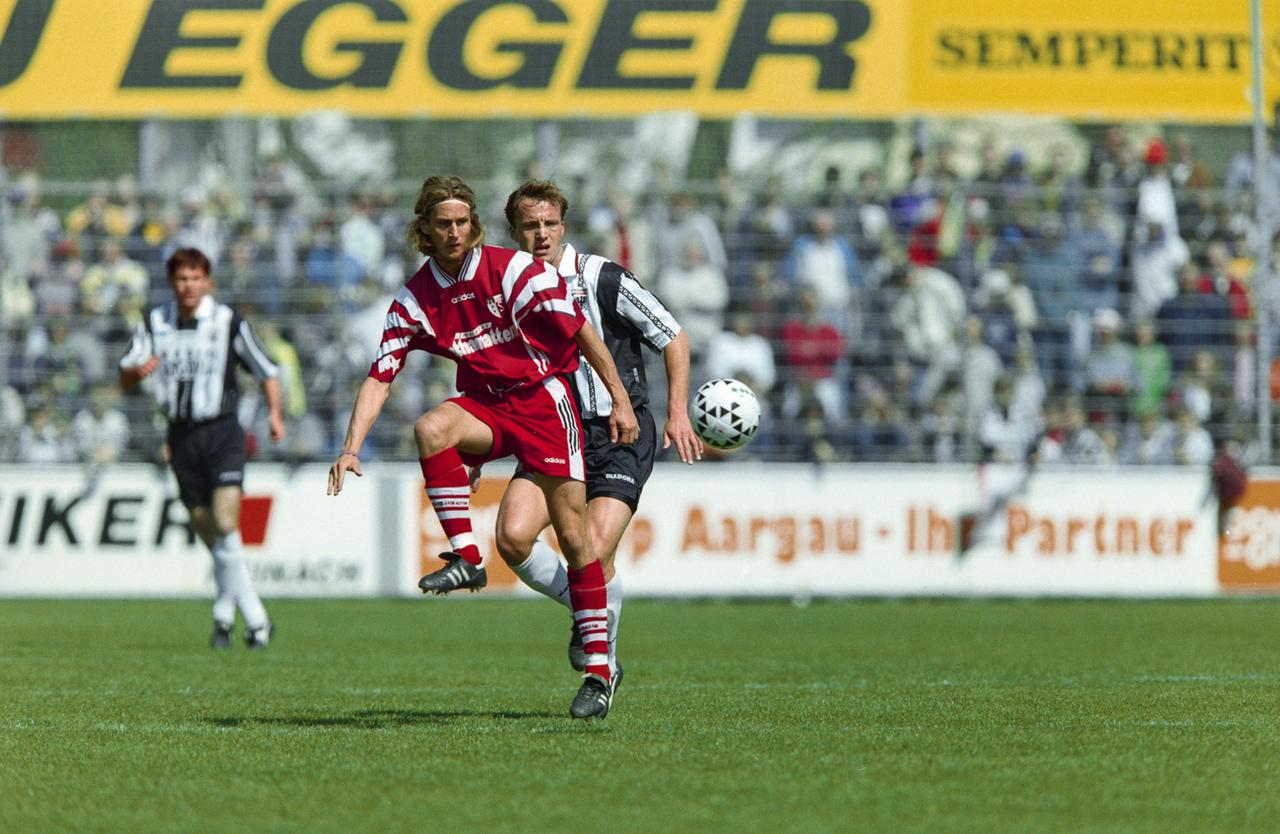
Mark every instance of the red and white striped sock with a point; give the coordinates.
(591, 616)
(450, 492)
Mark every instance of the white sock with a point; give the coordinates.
(229, 550)
(545, 573)
(224, 605)
(613, 591)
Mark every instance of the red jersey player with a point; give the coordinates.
(508, 322)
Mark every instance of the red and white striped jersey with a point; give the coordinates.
(507, 320)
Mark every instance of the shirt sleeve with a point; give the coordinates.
(541, 306)
(405, 329)
(250, 351)
(141, 347)
(638, 307)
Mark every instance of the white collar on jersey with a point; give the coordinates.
(568, 261)
(203, 310)
(470, 262)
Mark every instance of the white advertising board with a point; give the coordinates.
(728, 530)
(124, 533)
(714, 529)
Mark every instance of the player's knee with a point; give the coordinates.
(226, 523)
(431, 435)
(513, 546)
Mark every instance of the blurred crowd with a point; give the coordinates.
(1099, 312)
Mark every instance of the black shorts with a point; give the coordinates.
(615, 470)
(204, 456)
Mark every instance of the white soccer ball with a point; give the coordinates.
(726, 413)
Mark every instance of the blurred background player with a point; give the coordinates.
(508, 322)
(191, 345)
(626, 316)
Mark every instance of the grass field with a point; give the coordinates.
(442, 715)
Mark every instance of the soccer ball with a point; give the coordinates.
(726, 413)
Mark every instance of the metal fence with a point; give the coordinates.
(1100, 310)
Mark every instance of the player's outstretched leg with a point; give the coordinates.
(591, 615)
(457, 575)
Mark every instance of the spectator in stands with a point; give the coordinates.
(1029, 391)
(1204, 391)
(198, 225)
(95, 220)
(624, 234)
(1006, 432)
(1081, 443)
(101, 431)
(1150, 441)
(880, 432)
(1050, 269)
(766, 231)
(1193, 445)
(360, 238)
(58, 288)
(27, 235)
(1007, 312)
(685, 221)
(1110, 375)
(1188, 172)
(1192, 320)
(1016, 188)
(111, 279)
(13, 416)
(696, 292)
(60, 364)
(832, 198)
(826, 264)
(742, 353)
(1156, 203)
(1244, 370)
(907, 205)
(1220, 279)
(813, 351)
(1158, 257)
(43, 439)
(980, 367)
(331, 274)
(1153, 370)
(987, 182)
(928, 316)
(871, 217)
(1095, 245)
(1058, 188)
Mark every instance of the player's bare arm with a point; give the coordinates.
(678, 429)
(130, 377)
(369, 402)
(623, 425)
(271, 393)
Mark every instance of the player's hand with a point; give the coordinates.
(148, 368)
(680, 432)
(624, 428)
(277, 427)
(344, 463)
(474, 476)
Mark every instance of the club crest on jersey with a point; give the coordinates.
(495, 304)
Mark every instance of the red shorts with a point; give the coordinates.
(539, 425)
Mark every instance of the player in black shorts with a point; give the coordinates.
(626, 316)
(190, 349)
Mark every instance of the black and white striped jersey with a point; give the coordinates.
(196, 377)
(626, 316)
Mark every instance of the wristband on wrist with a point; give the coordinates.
(348, 452)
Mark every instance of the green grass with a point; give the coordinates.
(440, 715)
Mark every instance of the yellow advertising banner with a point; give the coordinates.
(600, 58)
